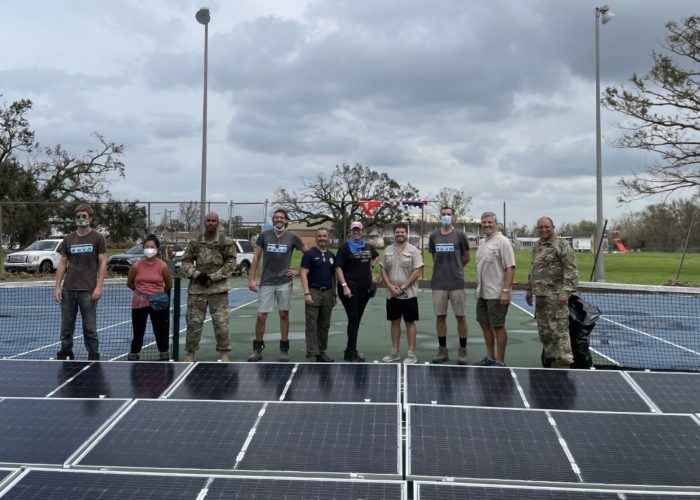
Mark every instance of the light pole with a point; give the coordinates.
(602, 16)
(203, 17)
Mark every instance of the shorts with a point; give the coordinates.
(491, 312)
(454, 297)
(406, 308)
(270, 296)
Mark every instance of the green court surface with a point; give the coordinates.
(374, 342)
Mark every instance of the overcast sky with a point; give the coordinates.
(494, 97)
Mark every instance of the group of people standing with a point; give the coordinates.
(209, 261)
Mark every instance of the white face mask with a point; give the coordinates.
(150, 253)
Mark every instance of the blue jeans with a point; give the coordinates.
(72, 301)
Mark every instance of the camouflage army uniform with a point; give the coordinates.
(218, 259)
(553, 275)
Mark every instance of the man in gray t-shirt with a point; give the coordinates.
(275, 246)
(450, 250)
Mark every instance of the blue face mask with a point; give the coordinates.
(446, 220)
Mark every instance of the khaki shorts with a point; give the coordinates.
(491, 312)
(454, 297)
(270, 296)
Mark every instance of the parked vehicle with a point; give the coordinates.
(42, 256)
(244, 258)
(121, 263)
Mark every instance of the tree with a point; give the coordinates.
(189, 216)
(451, 197)
(335, 198)
(582, 227)
(15, 134)
(662, 226)
(123, 221)
(664, 107)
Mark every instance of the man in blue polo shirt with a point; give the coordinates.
(318, 281)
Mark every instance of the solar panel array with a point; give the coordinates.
(341, 430)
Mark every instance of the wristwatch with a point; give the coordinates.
(507, 290)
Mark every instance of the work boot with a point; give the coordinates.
(311, 359)
(165, 356)
(284, 351)
(190, 357)
(94, 356)
(223, 357)
(133, 356)
(258, 346)
(441, 356)
(556, 363)
(462, 356)
(324, 358)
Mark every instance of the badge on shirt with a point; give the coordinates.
(276, 248)
(82, 248)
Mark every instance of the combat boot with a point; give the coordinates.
(284, 351)
(462, 356)
(223, 357)
(555, 363)
(441, 356)
(258, 346)
(190, 357)
(132, 356)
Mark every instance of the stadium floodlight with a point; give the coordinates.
(602, 16)
(203, 17)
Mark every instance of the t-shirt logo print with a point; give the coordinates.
(444, 247)
(82, 248)
(276, 248)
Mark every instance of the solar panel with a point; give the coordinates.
(453, 491)
(306, 489)
(49, 431)
(579, 390)
(87, 485)
(177, 435)
(448, 441)
(456, 385)
(122, 380)
(623, 448)
(326, 438)
(345, 382)
(671, 392)
(25, 378)
(234, 381)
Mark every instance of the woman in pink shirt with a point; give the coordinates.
(149, 276)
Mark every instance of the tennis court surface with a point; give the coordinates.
(344, 431)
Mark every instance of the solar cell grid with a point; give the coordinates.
(579, 390)
(276, 489)
(671, 392)
(25, 378)
(49, 431)
(622, 448)
(343, 382)
(63, 484)
(122, 380)
(491, 443)
(234, 381)
(176, 434)
(456, 385)
(326, 438)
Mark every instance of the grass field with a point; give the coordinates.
(644, 268)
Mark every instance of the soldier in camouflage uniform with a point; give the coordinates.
(553, 278)
(208, 262)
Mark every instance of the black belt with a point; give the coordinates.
(320, 288)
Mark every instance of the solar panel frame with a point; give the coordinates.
(36, 378)
(373, 384)
(678, 393)
(580, 390)
(116, 379)
(489, 389)
(56, 418)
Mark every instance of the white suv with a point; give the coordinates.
(244, 257)
(40, 256)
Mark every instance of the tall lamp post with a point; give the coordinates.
(203, 17)
(602, 16)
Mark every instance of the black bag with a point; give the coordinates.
(582, 319)
(159, 301)
(372, 290)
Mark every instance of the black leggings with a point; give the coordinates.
(354, 308)
(159, 320)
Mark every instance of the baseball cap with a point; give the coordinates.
(356, 224)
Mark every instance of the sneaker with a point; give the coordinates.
(324, 358)
(353, 356)
(284, 357)
(462, 356)
(441, 356)
(487, 361)
(410, 359)
(498, 363)
(258, 346)
(93, 356)
(391, 357)
(132, 356)
(65, 355)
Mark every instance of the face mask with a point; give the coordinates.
(81, 221)
(446, 220)
(279, 228)
(150, 252)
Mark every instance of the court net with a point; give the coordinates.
(30, 323)
(645, 327)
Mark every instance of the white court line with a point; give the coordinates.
(650, 336)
